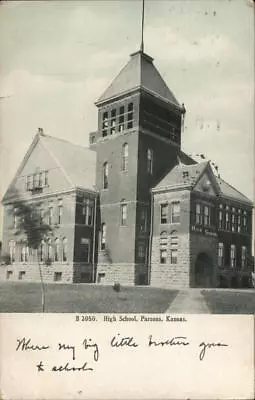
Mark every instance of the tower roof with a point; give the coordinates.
(139, 73)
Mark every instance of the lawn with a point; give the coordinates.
(230, 301)
(82, 298)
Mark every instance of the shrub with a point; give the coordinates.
(116, 287)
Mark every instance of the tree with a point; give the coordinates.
(31, 225)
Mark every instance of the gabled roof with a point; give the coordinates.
(230, 192)
(139, 72)
(177, 177)
(78, 162)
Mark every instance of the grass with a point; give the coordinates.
(230, 301)
(80, 298)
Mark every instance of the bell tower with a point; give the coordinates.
(137, 142)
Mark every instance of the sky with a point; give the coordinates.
(58, 57)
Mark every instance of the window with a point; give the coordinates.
(123, 213)
(245, 220)
(57, 250)
(198, 214)
(221, 255)
(57, 276)
(9, 274)
(60, 211)
(87, 212)
(40, 181)
(50, 213)
(105, 175)
(150, 161)
(221, 226)
(163, 213)
(163, 248)
(232, 256)
(21, 275)
(207, 216)
(113, 122)
(244, 256)
(227, 221)
(185, 174)
(64, 249)
(174, 247)
(121, 119)
(130, 116)
(105, 123)
(28, 182)
(12, 245)
(103, 236)
(124, 163)
(239, 221)
(85, 249)
(141, 251)
(233, 220)
(175, 212)
(49, 250)
(37, 180)
(143, 220)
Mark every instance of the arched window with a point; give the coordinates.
(124, 163)
(150, 161)
(64, 249)
(220, 254)
(57, 250)
(174, 247)
(105, 175)
(232, 256)
(163, 247)
(12, 245)
(123, 212)
(103, 236)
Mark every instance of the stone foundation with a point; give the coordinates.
(126, 274)
(62, 273)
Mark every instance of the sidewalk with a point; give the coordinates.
(189, 301)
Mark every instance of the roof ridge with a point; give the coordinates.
(63, 140)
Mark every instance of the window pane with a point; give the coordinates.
(175, 212)
(163, 213)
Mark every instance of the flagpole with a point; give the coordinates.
(142, 43)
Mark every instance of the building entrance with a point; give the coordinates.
(203, 271)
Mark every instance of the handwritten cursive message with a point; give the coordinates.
(89, 350)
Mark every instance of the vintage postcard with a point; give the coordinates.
(127, 193)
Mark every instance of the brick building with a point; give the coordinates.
(133, 208)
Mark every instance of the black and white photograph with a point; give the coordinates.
(127, 195)
(127, 156)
